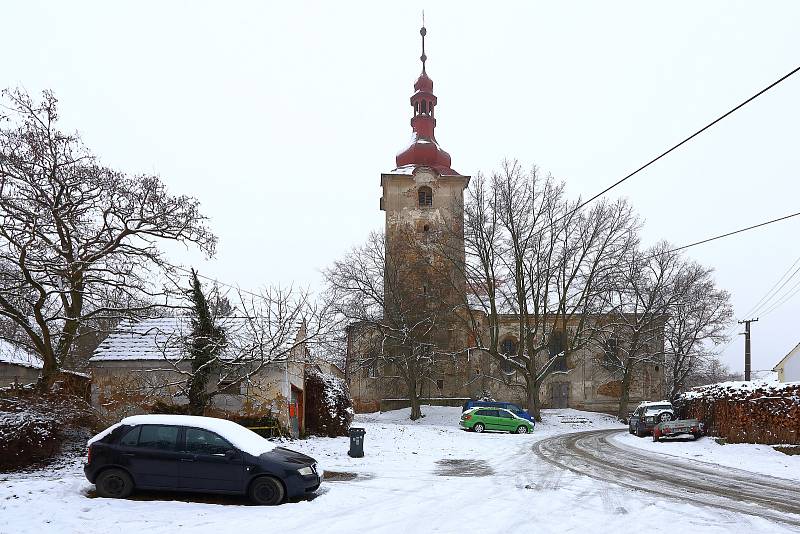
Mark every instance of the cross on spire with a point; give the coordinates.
(423, 32)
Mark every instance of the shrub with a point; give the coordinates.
(329, 409)
(33, 426)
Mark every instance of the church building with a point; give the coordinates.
(423, 201)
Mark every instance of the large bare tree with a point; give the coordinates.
(399, 318)
(649, 285)
(72, 231)
(531, 255)
(695, 326)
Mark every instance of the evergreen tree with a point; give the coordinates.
(206, 343)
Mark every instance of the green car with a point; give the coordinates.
(480, 419)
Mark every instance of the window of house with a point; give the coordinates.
(159, 437)
(425, 196)
(440, 384)
(390, 369)
(426, 228)
(230, 385)
(372, 369)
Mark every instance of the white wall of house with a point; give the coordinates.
(789, 369)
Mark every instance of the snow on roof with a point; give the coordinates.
(15, 355)
(239, 436)
(165, 338)
(149, 339)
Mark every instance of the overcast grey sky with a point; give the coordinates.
(281, 117)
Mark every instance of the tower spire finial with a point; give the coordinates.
(422, 32)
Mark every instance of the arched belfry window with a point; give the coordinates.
(425, 196)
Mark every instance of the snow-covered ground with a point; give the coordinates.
(425, 476)
(757, 458)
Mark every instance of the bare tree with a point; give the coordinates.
(695, 326)
(72, 231)
(400, 319)
(531, 255)
(646, 289)
(223, 349)
(710, 371)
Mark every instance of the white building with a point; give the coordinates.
(788, 368)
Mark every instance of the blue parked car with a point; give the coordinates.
(516, 410)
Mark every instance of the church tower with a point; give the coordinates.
(423, 198)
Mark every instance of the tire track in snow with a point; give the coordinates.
(733, 490)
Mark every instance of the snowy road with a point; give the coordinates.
(429, 476)
(596, 455)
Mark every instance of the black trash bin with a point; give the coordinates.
(356, 442)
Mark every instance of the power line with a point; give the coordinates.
(740, 230)
(218, 282)
(770, 302)
(692, 136)
(772, 291)
(786, 297)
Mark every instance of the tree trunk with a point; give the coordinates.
(413, 397)
(49, 373)
(625, 394)
(197, 395)
(534, 403)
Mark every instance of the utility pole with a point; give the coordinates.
(746, 323)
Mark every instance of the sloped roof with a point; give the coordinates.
(12, 354)
(165, 338)
(795, 350)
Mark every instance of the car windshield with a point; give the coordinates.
(657, 408)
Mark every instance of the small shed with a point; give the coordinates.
(788, 368)
(19, 367)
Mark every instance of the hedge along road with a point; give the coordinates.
(594, 455)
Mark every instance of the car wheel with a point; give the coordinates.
(664, 417)
(522, 429)
(630, 429)
(114, 483)
(696, 435)
(640, 433)
(478, 427)
(266, 491)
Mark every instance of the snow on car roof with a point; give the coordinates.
(656, 403)
(239, 436)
